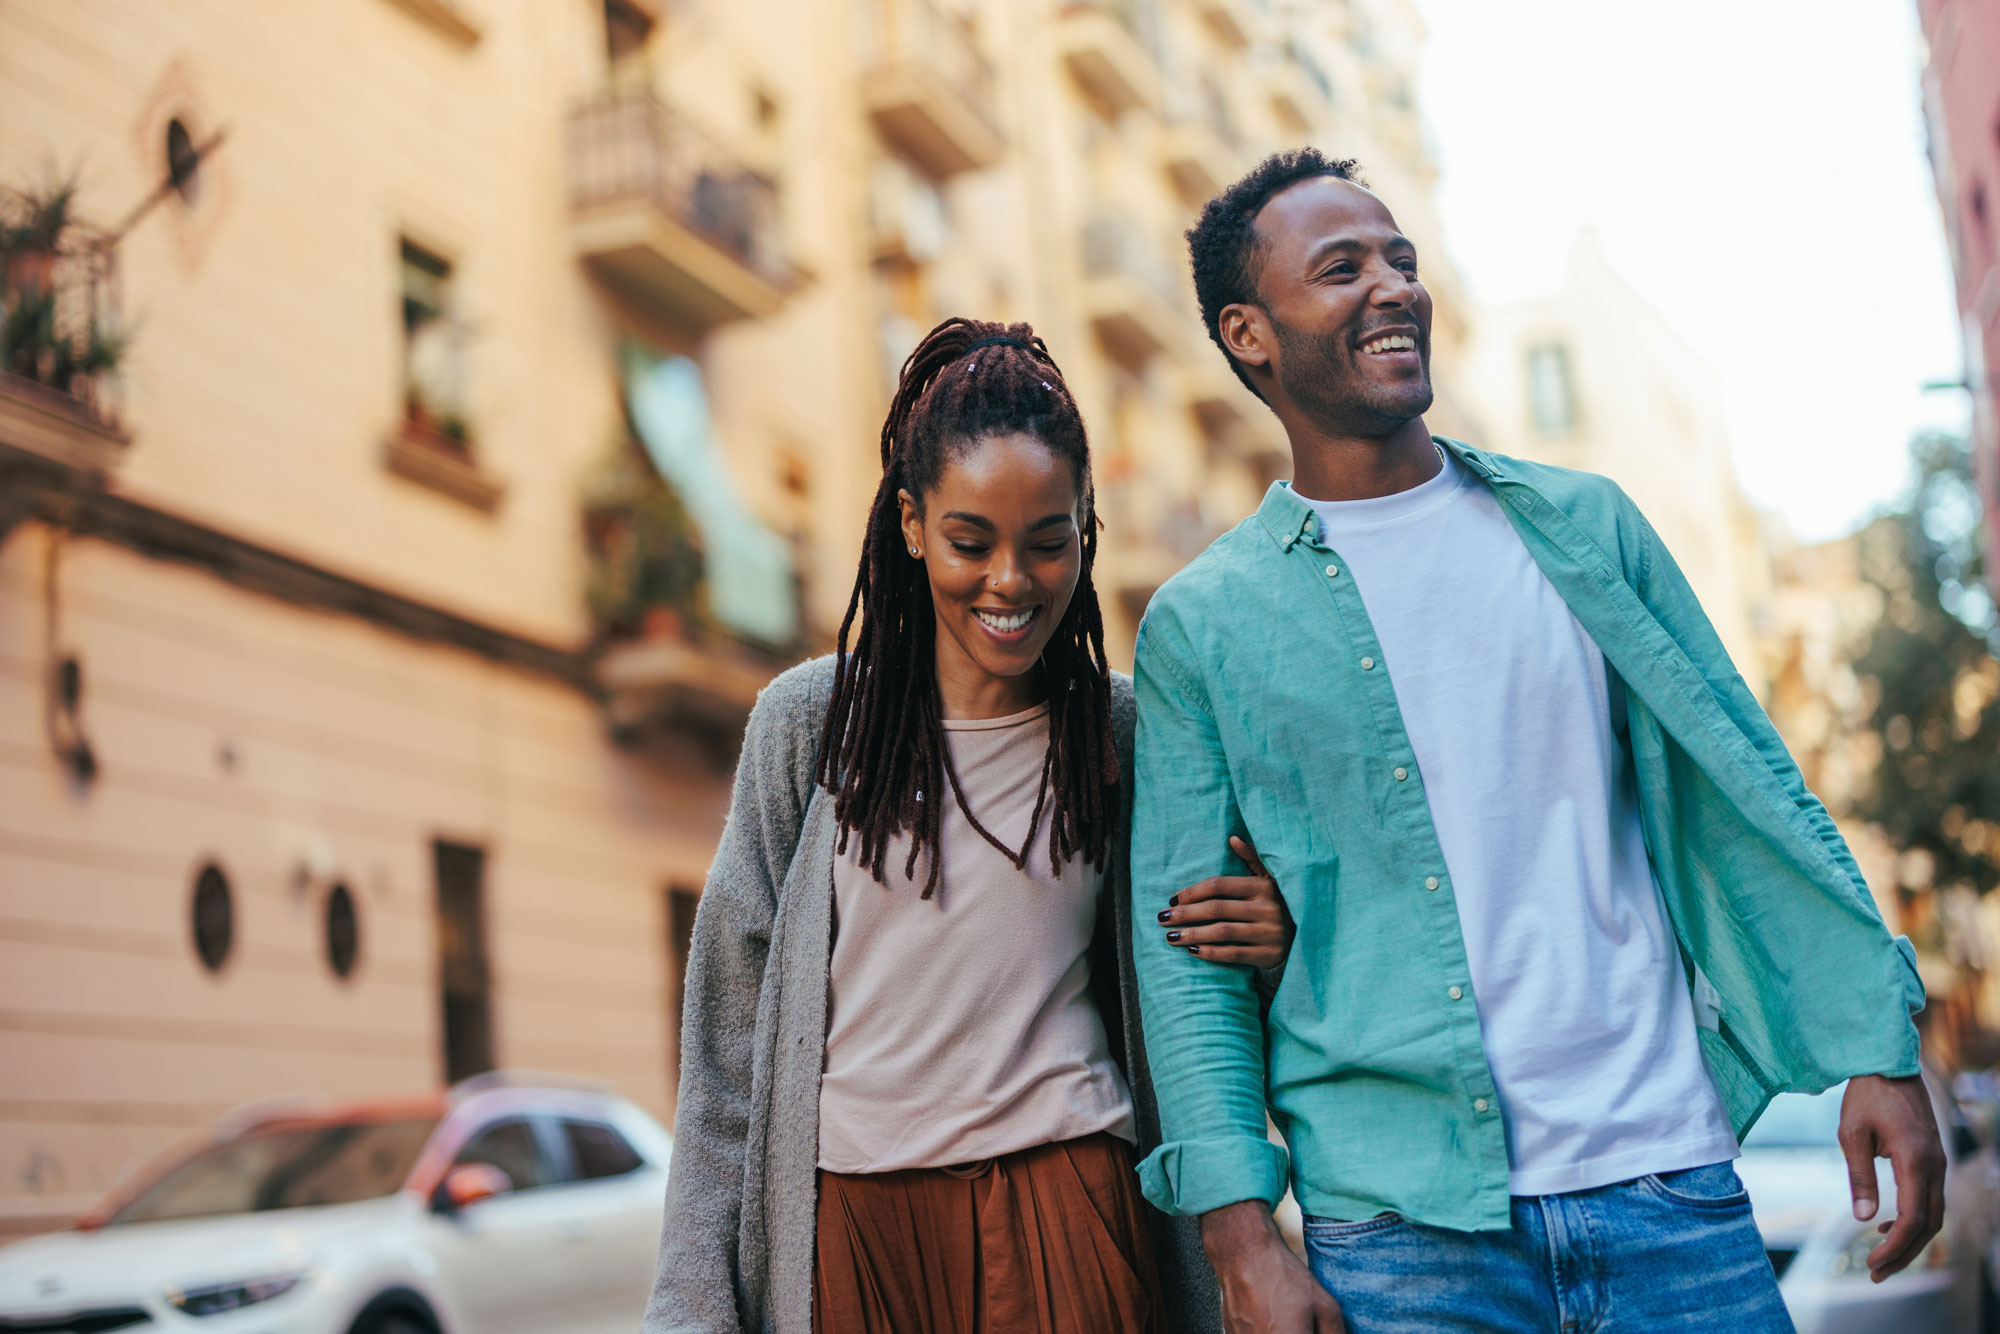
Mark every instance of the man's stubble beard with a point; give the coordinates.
(1309, 375)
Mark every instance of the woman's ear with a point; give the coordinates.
(913, 524)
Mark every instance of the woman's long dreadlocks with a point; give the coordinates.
(883, 749)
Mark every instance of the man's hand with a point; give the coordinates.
(1891, 1118)
(1265, 1288)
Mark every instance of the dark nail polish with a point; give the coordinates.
(1173, 937)
(1194, 949)
(1166, 915)
(1174, 902)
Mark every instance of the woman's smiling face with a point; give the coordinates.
(999, 540)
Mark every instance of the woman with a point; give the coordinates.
(910, 1063)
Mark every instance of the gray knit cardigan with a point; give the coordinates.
(736, 1252)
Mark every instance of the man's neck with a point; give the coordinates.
(1349, 467)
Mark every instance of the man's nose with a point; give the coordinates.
(1394, 290)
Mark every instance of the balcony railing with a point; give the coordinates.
(1132, 295)
(61, 338)
(662, 209)
(931, 89)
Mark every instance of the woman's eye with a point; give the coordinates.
(1053, 548)
(968, 549)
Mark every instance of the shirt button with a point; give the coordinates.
(1456, 993)
(1430, 882)
(1333, 571)
(1401, 773)
(1479, 1104)
(1368, 664)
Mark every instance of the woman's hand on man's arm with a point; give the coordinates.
(1232, 918)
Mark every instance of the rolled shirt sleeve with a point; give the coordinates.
(1203, 1023)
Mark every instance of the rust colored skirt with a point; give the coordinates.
(1050, 1240)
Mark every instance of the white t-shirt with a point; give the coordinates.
(1584, 1009)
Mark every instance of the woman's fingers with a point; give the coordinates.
(1247, 853)
(1254, 956)
(1227, 933)
(1241, 887)
(1233, 909)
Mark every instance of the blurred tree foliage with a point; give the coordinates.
(1936, 683)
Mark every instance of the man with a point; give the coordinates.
(1566, 915)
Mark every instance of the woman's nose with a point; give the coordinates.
(1006, 577)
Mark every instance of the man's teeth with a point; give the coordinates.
(1007, 625)
(1393, 343)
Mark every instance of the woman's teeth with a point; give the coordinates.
(1006, 625)
(1393, 343)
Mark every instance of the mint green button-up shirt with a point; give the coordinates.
(1266, 709)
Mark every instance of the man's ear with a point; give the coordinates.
(1247, 335)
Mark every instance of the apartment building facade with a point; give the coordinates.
(454, 410)
(1961, 92)
(1590, 377)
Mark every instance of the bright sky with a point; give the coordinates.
(1755, 169)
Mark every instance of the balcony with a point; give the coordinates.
(1196, 160)
(931, 90)
(1235, 423)
(1130, 293)
(1106, 46)
(663, 214)
(1234, 22)
(1301, 90)
(60, 340)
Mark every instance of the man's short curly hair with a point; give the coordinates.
(1223, 246)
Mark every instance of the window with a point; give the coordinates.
(433, 350)
(1551, 396)
(597, 1151)
(343, 932)
(627, 26)
(214, 918)
(183, 163)
(514, 1148)
(287, 1167)
(681, 905)
(464, 980)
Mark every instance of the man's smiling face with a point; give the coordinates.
(1352, 323)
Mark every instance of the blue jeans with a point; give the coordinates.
(1677, 1251)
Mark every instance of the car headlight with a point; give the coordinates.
(230, 1296)
(1936, 1254)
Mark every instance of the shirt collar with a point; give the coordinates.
(1287, 518)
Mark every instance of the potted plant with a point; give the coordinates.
(645, 559)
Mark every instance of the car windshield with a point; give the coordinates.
(333, 1162)
(1799, 1121)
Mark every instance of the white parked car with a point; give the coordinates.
(1798, 1186)
(506, 1206)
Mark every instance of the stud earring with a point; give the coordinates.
(913, 551)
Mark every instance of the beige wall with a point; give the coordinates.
(352, 749)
